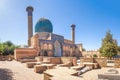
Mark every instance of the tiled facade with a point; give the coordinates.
(49, 43)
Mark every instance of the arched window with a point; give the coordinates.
(50, 46)
(45, 46)
(45, 53)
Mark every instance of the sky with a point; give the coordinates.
(93, 18)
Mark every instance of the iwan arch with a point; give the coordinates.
(45, 43)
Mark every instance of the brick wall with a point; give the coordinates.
(24, 53)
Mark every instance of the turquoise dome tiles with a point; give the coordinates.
(44, 25)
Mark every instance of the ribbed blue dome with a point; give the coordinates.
(44, 25)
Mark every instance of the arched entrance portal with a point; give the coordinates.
(57, 48)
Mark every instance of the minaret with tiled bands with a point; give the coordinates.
(29, 10)
(73, 33)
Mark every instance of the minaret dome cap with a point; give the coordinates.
(73, 25)
(29, 8)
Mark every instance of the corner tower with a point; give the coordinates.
(73, 33)
(29, 10)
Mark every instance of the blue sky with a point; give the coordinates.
(92, 18)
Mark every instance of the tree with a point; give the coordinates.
(94, 55)
(9, 43)
(119, 48)
(83, 49)
(1, 48)
(7, 48)
(109, 46)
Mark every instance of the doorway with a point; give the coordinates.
(57, 47)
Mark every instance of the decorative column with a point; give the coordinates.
(29, 10)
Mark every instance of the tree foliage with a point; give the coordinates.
(94, 55)
(7, 48)
(119, 48)
(109, 46)
(83, 49)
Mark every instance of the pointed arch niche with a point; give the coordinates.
(57, 49)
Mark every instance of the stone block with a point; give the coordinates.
(55, 60)
(39, 68)
(27, 60)
(39, 58)
(77, 67)
(46, 59)
(117, 63)
(102, 62)
(67, 64)
(30, 64)
(95, 65)
(47, 76)
(109, 76)
(49, 66)
(74, 62)
(66, 59)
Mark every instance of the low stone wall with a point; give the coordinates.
(66, 59)
(24, 53)
(117, 63)
(82, 59)
(102, 62)
(8, 57)
(58, 60)
(52, 60)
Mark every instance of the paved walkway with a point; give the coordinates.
(13, 70)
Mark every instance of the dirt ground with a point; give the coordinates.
(13, 70)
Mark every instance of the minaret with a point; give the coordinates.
(73, 33)
(29, 10)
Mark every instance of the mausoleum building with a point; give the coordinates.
(46, 43)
